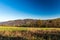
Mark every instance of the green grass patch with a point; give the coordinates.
(2, 28)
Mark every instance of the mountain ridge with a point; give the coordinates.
(32, 23)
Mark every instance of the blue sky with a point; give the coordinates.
(34, 9)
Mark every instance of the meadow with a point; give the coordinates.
(9, 28)
(29, 33)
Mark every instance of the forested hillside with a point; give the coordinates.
(54, 23)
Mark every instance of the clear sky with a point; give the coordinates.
(34, 9)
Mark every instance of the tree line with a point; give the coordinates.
(43, 23)
(54, 23)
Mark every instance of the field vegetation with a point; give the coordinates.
(8, 28)
(29, 33)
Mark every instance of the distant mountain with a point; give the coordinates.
(17, 22)
(33, 23)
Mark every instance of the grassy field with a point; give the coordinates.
(7, 32)
(2, 28)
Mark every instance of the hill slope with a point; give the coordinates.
(54, 23)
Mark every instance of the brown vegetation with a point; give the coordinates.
(53, 23)
(31, 35)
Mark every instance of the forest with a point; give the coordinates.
(51, 23)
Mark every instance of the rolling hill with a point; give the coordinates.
(54, 23)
